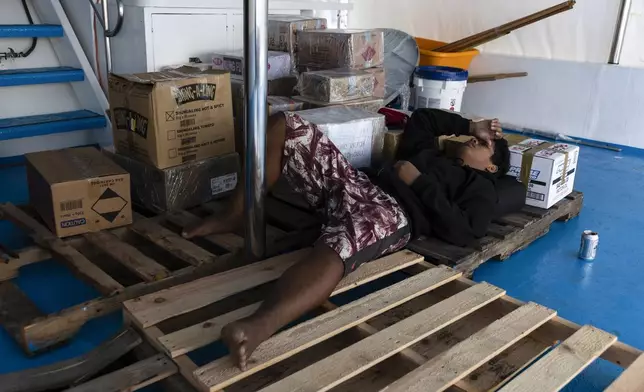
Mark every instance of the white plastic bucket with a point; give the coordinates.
(438, 88)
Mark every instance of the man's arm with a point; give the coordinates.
(425, 126)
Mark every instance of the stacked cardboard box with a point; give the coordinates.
(284, 29)
(279, 64)
(173, 131)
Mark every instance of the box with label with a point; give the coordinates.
(379, 81)
(548, 169)
(370, 104)
(282, 30)
(78, 190)
(336, 85)
(279, 64)
(179, 187)
(328, 49)
(357, 133)
(172, 117)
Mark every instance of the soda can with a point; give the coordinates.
(588, 247)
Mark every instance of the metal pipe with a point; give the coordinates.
(120, 11)
(255, 119)
(620, 32)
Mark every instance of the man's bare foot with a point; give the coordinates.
(242, 338)
(212, 225)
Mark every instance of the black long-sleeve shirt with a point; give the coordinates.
(450, 201)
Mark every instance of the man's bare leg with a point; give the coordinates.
(300, 289)
(233, 219)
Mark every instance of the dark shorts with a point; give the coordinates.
(362, 221)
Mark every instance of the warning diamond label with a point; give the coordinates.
(109, 205)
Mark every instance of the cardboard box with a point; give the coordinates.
(548, 169)
(358, 134)
(370, 104)
(390, 147)
(336, 85)
(78, 190)
(180, 187)
(282, 30)
(279, 64)
(379, 81)
(173, 117)
(282, 104)
(328, 49)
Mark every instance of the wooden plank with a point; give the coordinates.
(493, 77)
(73, 258)
(561, 365)
(172, 242)
(229, 241)
(16, 311)
(191, 338)
(156, 307)
(221, 373)
(500, 231)
(60, 326)
(133, 377)
(534, 211)
(26, 256)
(631, 380)
(446, 369)
(135, 261)
(63, 373)
(517, 220)
(337, 368)
(440, 250)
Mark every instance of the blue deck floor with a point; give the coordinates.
(606, 293)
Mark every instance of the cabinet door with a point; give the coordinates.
(237, 33)
(177, 37)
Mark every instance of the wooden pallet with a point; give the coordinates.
(431, 330)
(122, 264)
(505, 236)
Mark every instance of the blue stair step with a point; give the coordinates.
(46, 124)
(21, 77)
(28, 31)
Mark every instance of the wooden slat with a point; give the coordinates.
(558, 367)
(26, 256)
(133, 377)
(446, 369)
(221, 373)
(16, 311)
(441, 251)
(172, 242)
(500, 231)
(61, 374)
(156, 307)
(534, 211)
(517, 220)
(631, 380)
(188, 339)
(374, 349)
(73, 258)
(231, 242)
(135, 261)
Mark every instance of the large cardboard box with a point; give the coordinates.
(180, 187)
(328, 49)
(279, 64)
(282, 30)
(547, 169)
(370, 104)
(78, 190)
(172, 117)
(336, 85)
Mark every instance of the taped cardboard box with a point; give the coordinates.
(279, 64)
(282, 104)
(369, 104)
(179, 187)
(78, 190)
(547, 169)
(336, 85)
(328, 49)
(357, 133)
(172, 117)
(282, 30)
(379, 81)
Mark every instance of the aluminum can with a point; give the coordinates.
(588, 246)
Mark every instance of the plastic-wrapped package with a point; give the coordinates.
(336, 85)
(401, 59)
(179, 187)
(282, 104)
(357, 133)
(282, 30)
(279, 64)
(370, 104)
(378, 82)
(327, 49)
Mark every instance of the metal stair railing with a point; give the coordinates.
(104, 20)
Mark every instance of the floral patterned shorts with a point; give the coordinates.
(362, 221)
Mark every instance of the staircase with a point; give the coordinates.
(88, 124)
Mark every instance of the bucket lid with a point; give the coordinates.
(433, 72)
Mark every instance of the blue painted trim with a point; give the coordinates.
(46, 124)
(29, 31)
(22, 77)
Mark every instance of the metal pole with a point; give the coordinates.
(108, 43)
(255, 116)
(620, 32)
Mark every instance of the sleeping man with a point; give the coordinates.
(368, 214)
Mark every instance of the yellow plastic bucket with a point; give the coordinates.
(429, 57)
